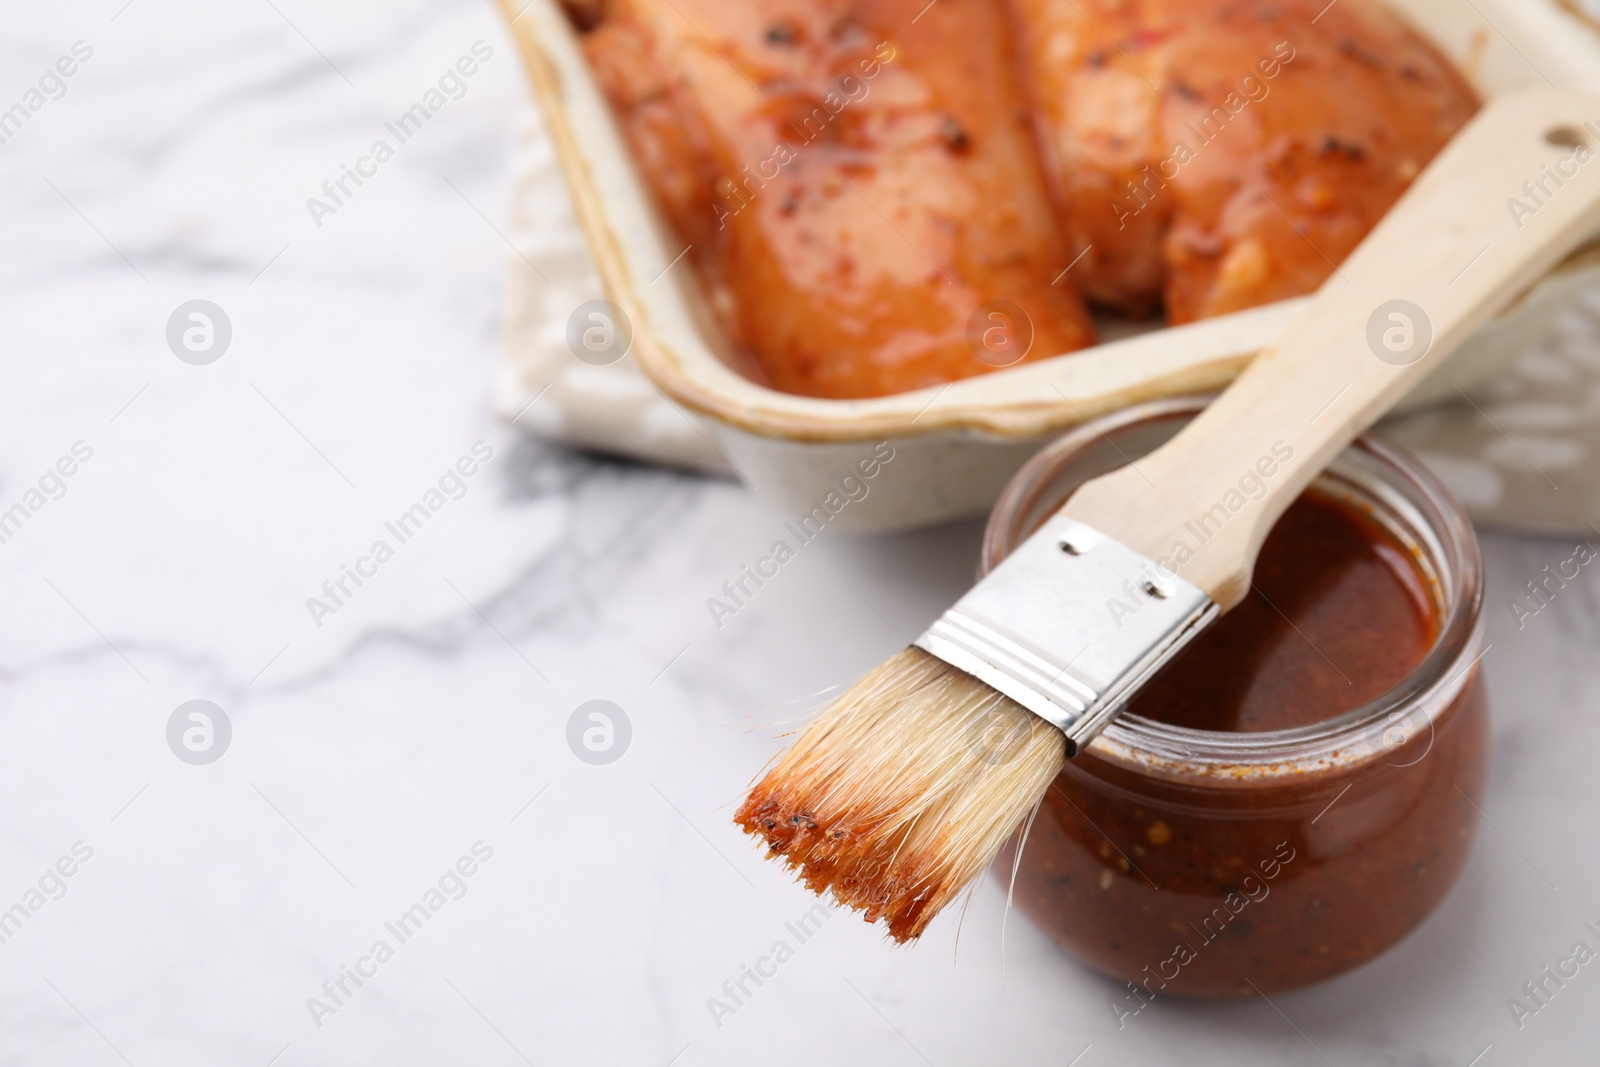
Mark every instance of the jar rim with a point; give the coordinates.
(1445, 544)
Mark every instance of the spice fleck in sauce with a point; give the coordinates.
(1187, 880)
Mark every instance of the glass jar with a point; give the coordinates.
(1200, 863)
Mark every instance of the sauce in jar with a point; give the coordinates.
(1337, 615)
(1294, 793)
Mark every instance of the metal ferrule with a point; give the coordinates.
(1070, 625)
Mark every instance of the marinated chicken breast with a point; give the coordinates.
(854, 181)
(1219, 154)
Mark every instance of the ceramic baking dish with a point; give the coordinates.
(954, 446)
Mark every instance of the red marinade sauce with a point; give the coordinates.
(1337, 615)
(1182, 881)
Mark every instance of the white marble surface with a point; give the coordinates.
(372, 752)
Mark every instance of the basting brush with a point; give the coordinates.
(902, 791)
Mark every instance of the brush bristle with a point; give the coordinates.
(900, 794)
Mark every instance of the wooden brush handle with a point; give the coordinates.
(1516, 190)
